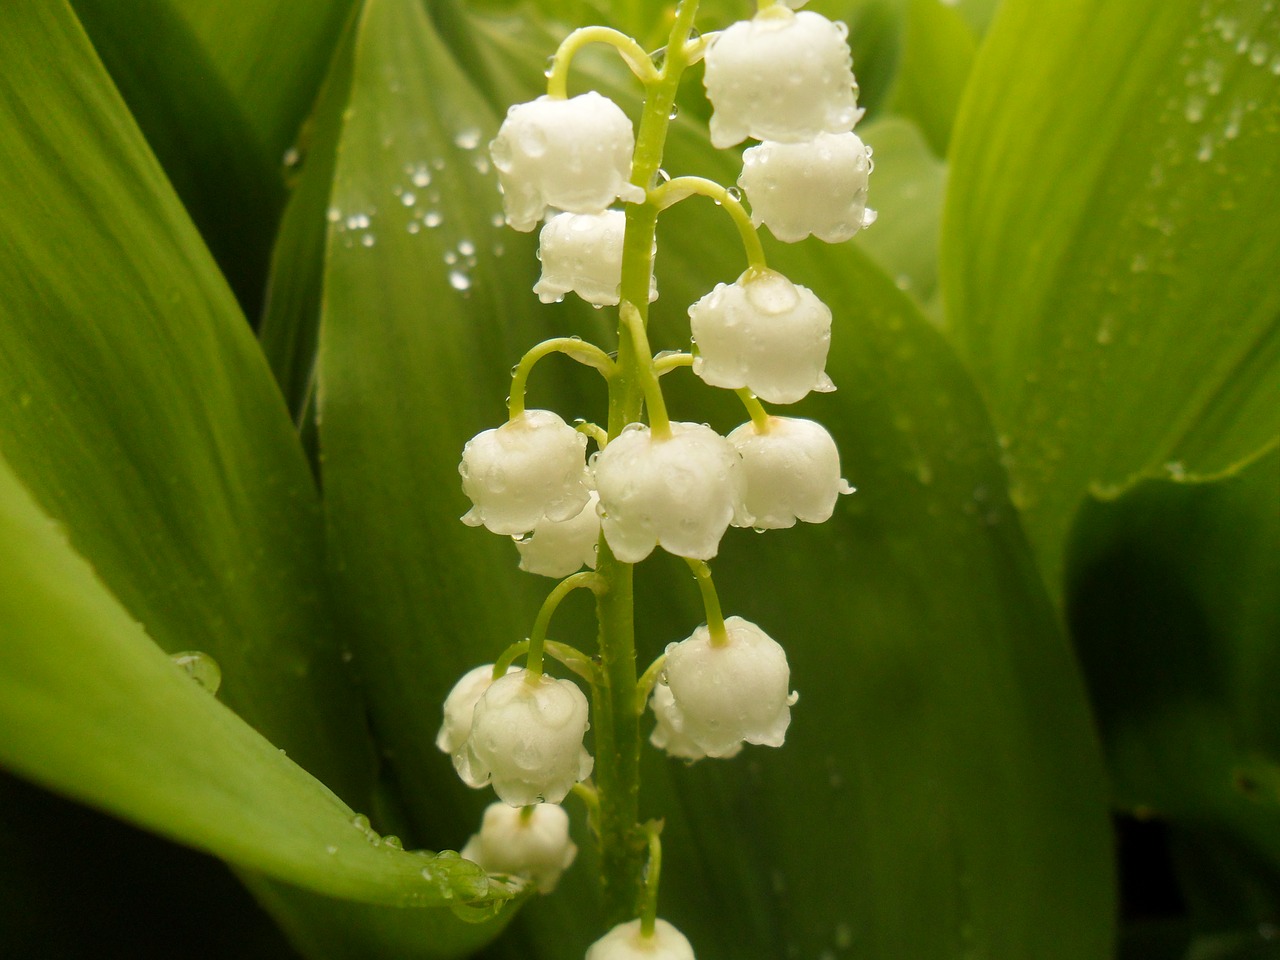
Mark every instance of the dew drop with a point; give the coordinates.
(432, 218)
(201, 668)
(450, 258)
(333, 215)
(459, 280)
(466, 247)
(734, 193)
(498, 220)
(421, 176)
(673, 112)
(331, 850)
(408, 198)
(467, 139)
(368, 240)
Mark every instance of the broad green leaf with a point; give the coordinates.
(220, 96)
(135, 405)
(940, 723)
(1110, 243)
(1177, 621)
(907, 189)
(937, 54)
(92, 708)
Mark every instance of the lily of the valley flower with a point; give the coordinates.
(729, 693)
(818, 187)
(793, 472)
(780, 76)
(582, 253)
(628, 942)
(765, 333)
(557, 548)
(669, 736)
(531, 467)
(460, 705)
(569, 154)
(526, 739)
(531, 842)
(679, 492)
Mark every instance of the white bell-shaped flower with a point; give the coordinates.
(780, 76)
(731, 693)
(793, 472)
(528, 842)
(533, 466)
(679, 492)
(818, 187)
(627, 942)
(765, 333)
(572, 154)
(557, 548)
(668, 735)
(582, 253)
(526, 739)
(459, 706)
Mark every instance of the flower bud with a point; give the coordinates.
(765, 333)
(793, 472)
(528, 842)
(582, 253)
(780, 76)
(557, 548)
(526, 738)
(679, 492)
(572, 154)
(818, 187)
(627, 942)
(533, 466)
(733, 692)
(460, 705)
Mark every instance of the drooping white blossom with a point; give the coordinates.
(531, 467)
(679, 492)
(627, 942)
(765, 333)
(731, 693)
(528, 842)
(668, 735)
(793, 472)
(818, 187)
(557, 548)
(582, 253)
(459, 706)
(568, 154)
(780, 76)
(526, 739)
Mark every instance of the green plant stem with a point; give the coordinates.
(632, 54)
(585, 353)
(681, 188)
(759, 415)
(538, 636)
(653, 876)
(617, 735)
(710, 602)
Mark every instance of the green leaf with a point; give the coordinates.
(1177, 622)
(1109, 260)
(220, 99)
(136, 407)
(938, 47)
(92, 708)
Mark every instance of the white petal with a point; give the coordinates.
(557, 548)
(792, 471)
(531, 843)
(625, 942)
(582, 254)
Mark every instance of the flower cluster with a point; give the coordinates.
(784, 78)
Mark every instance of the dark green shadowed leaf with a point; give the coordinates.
(421, 321)
(1110, 262)
(220, 91)
(93, 709)
(1177, 620)
(937, 53)
(136, 407)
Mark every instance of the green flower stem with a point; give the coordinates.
(710, 602)
(644, 686)
(681, 188)
(595, 432)
(759, 415)
(538, 636)
(585, 353)
(653, 876)
(617, 722)
(633, 325)
(571, 657)
(632, 53)
(665, 363)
